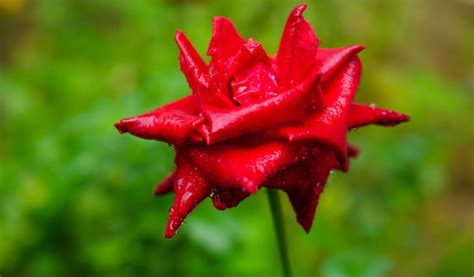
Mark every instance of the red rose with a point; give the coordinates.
(257, 121)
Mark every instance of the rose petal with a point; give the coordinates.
(173, 123)
(329, 126)
(191, 188)
(224, 44)
(321, 167)
(297, 52)
(225, 40)
(304, 183)
(329, 60)
(362, 115)
(254, 84)
(352, 151)
(166, 185)
(197, 74)
(247, 167)
(253, 79)
(290, 106)
(192, 65)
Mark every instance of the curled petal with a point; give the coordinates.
(304, 183)
(249, 52)
(224, 44)
(362, 115)
(329, 126)
(173, 123)
(166, 185)
(245, 167)
(297, 51)
(192, 65)
(197, 74)
(225, 40)
(286, 107)
(191, 188)
(329, 60)
(251, 74)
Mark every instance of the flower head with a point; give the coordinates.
(257, 121)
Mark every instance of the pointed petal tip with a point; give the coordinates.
(356, 49)
(165, 186)
(296, 54)
(216, 19)
(394, 118)
(120, 126)
(404, 118)
(158, 191)
(352, 151)
(225, 38)
(222, 22)
(306, 224)
(299, 9)
(179, 37)
(126, 125)
(169, 234)
(307, 228)
(183, 41)
(362, 115)
(174, 222)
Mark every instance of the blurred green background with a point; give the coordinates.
(76, 197)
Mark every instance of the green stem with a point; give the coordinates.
(279, 230)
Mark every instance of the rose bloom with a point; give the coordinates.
(255, 121)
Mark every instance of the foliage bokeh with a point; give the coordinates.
(76, 197)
